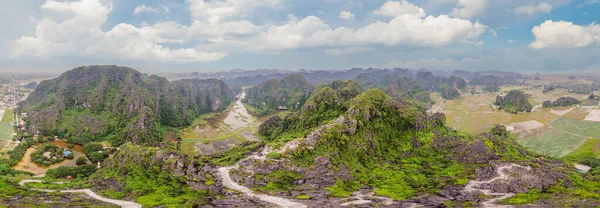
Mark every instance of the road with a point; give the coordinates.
(230, 184)
(124, 204)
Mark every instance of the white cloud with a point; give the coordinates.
(81, 35)
(347, 50)
(397, 8)
(219, 28)
(468, 8)
(217, 11)
(531, 9)
(563, 34)
(346, 15)
(510, 41)
(144, 8)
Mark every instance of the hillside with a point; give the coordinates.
(290, 92)
(398, 87)
(118, 104)
(394, 149)
(515, 101)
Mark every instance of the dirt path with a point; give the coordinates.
(472, 187)
(124, 204)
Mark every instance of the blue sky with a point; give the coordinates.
(213, 35)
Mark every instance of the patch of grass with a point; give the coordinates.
(586, 150)
(526, 198)
(303, 196)
(8, 116)
(553, 143)
(273, 155)
(4, 130)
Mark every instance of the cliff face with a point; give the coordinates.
(117, 103)
(292, 92)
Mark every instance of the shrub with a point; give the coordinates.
(62, 172)
(92, 147)
(81, 160)
(70, 146)
(70, 156)
(96, 156)
(273, 155)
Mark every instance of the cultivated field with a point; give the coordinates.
(5, 131)
(589, 129)
(593, 116)
(553, 143)
(475, 122)
(7, 115)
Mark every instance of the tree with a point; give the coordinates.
(81, 160)
(592, 96)
(499, 130)
(96, 156)
(92, 147)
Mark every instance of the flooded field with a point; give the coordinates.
(26, 165)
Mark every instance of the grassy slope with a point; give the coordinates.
(587, 149)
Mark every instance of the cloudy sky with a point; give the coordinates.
(212, 35)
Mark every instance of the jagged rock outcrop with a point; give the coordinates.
(562, 101)
(515, 101)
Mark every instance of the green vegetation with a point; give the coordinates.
(562, 101)
(398, 87)
(75, 172)
(81, 160)
(386, 144)
(96, 103)
(589, 129)
(17, 153)
(54, 154)
(291, 92)
(515, 101)
(554, 143)
(589, 149)
(279, 180)
(235, 154)
(8, 116)
(138, 174)
(4, 130)
(273, 155)
(527, 198)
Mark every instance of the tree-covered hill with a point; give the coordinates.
(118, 104)
(290, 92)
(515, 101)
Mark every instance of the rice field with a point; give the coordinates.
(589, 129)
(5, 131)
(554, 143)
(8, 116)
(475, 122)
